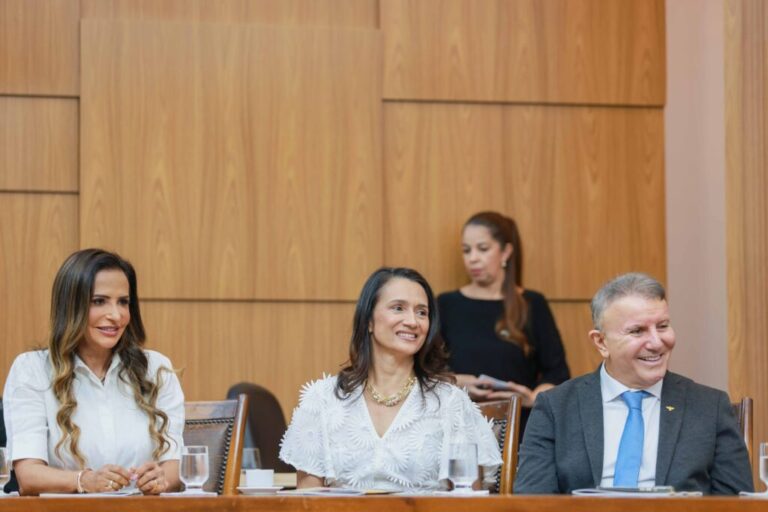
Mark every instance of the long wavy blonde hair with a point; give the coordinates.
(70, 305)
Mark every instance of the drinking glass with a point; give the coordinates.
(251, 459)
(764, 464)
(5, 470)
(462, 466)
(194, 468)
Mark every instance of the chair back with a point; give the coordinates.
(743, 412)
(265, 424)
(506, 426)
(220, 426)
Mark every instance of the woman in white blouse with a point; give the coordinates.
(387, 419)
(95, 412)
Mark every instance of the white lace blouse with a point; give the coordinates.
(336, 440)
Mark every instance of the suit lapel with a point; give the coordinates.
(670, 422)
(591, 412)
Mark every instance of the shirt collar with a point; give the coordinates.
(81, 367)
(612, 388)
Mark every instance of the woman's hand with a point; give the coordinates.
(150, 478)
(305, 480)
(109, 477)
(477, 388)
(527, 395)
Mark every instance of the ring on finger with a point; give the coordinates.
(110, 484)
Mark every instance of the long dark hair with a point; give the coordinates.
(504, 230)
(70, 305)
(429, 363)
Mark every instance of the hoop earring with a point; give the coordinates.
(504, 264)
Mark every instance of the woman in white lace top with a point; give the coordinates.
(387, 419)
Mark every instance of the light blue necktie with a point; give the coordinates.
(631, 446)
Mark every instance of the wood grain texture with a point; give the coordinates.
(554, 51)
(747, 205)
(283, 345)
(39, 47)
(340, 13)
(509, 503)
(586, 186)
(574, 321)
(37, 232)
(280, 346)
(231, 160)
(38, 144)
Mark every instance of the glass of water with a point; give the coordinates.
(194, 468)
(462, 466)
(5, 468)
(764, 464)
(251, 459)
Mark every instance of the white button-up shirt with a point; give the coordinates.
(113, 430)
(615, 413)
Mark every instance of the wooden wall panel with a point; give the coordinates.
(38, 144)
(39, 47)
(442, 162)
(340, 13)
(279, 345)
(558, 51)
(585, 184)
(37, 231)
(574, 322)
(283, 345)
(231, 160)
(747, 204)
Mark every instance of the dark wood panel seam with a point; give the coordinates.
(246, 301)
(304, 301)
(524, 103)
(55, 192)
(43, 96)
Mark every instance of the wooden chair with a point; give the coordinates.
(506, 425)
(220, 426)
(743, 412)
(264, 425)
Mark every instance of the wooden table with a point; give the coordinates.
(383, 504)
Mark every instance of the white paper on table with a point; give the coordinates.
(639, 493)
(186, 494)
(759, 495)
(323, 491)
(462, 494)
(113, 494)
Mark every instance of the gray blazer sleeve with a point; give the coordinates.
(731, 471)
(536, 472)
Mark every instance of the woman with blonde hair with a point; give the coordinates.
(95, 412)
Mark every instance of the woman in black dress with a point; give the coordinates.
(495, 327)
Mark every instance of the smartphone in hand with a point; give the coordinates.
(493, 383)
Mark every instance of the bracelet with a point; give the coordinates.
(80, 489)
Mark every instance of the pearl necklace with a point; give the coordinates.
(393, 400)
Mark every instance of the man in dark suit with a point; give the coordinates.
(632, 423)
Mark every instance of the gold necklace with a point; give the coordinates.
(393, 400)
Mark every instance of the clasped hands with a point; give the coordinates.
(150, 478)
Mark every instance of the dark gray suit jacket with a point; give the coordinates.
(700, 446)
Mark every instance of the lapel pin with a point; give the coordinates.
(670, 408)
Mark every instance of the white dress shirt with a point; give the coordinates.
(615, 413)
(113, 430)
